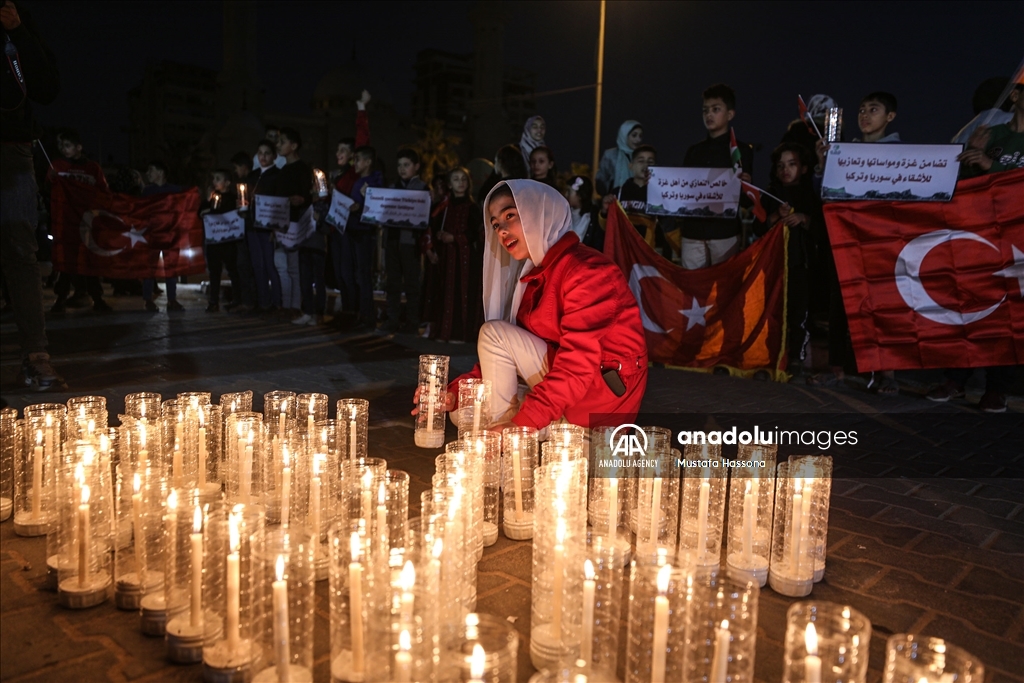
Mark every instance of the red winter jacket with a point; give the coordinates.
(578, 301)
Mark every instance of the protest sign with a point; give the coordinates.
(337, 215)
(699, 192)
(271, 212)
(298, 231)
(906, 173)
(397, 208)
(223, 227)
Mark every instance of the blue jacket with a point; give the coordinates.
(375, 179)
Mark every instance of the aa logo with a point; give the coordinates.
(628, 445)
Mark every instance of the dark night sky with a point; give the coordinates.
(659, 56)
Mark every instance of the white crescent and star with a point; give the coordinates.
(695, 314)
(911, 288)
(85, 229)
(638, 273)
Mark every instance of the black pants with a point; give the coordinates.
(997, 378)
(312, 282)
(219, 257)
(402, 264)
(797, 332)
(357, 263)
(90, 283)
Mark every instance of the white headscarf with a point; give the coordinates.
(545, 217)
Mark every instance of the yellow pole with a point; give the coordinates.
(600, 85)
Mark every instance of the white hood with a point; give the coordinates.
(546, 217)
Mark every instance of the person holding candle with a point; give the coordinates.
(560, 316)
(260, 240)
(221, 199)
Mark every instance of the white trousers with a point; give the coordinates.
(507, 353)
(287, 264)
(703, 253)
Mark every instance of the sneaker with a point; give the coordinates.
(304, 319)
(212, 308)
(37, 374)
(152, 307)
(174, 306)
(992, 402)
(945, 392)
(59, 306)
(101, 306)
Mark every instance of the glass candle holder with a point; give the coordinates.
(245, 458)
(353, 427)
(721, 628)
(243, 197)
(913, 659)
(833, 124)
(476, 394)
(751, 502)
(433, 391)
(353, 604)
(485, 449)
(143, 404)
(285, 600)
(601, 610)
(519, 458)
(236, 402)
(310, 409)
(801, 509)
(658, 501)
(656, 630)
(702, 510)
(285, 479)
(450, 510)
(230, 567)
(278, 407)
(364, 479)
(189, 628)
(825, 641)
(10, 450)
(397, 501)
(132, 579)
(816, 471)
(209, 442)
(35, 502)
(566, 435)
(85, 535)
(87, 416)
(485, 649)
(202, 398)
(652, 439)
(461, 470)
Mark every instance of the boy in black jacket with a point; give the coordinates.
(221, 255)
(709, 241)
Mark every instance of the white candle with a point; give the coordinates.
(282, 646)
(795, 530)
(589, 589)
(407, 582)
(247, 471)
(233, 606)
(171, 540)
(202, 450)
(178, 443)
(556, 625)
(37, 477)
(83, 538)
(176, 466)
(196, 539)
(352, 434)
(478, 405)
(314, 504)
(659, 650)
(366, 496)
(403, 659)
(143, 452)
(720, 660)
(140, 537)
(382, 522)
(702, 518)
(286, 488)
(309, 419)
(748, 526)
(613, 508)
(812, 662)
(517, 478)
(431, 388)
(655, 511)
(281, 421)
(51, 438)
(355, 602)
(477, 664)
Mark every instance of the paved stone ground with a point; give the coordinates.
(935, 555)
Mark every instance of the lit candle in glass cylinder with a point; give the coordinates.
(243, 197)
(282, 646)
(196, 540)
(320, 183)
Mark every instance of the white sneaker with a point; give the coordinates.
(304, 319)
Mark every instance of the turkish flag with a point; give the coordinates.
(934, 285)
(98, 232)
(731, 314)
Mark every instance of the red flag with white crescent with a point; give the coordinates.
(728, 315)
(934, 285)
(98, 232)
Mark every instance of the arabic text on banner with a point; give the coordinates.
(699, 192)
(298, 231)
(906, 173)
(397, 208)
(223, 227)
(337, 214)
(271, 212)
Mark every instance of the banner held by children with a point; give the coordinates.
(705, 192)
(224, 227)
(298, 231)
(271, 212)
(906, 173)
(337, 214)
(397, 208)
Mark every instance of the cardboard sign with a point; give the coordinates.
(694, 192)
(397, 208)
(223, 227)
(298, 231)
(893, 172)
(337, 215)
(271, 212)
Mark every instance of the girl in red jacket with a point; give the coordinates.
(559, 315)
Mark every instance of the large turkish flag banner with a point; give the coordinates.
(934, 285)
(731, 314)
(98, 232)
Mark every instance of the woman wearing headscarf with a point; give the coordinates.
(614, 167)
(533, 137)
(560, 316)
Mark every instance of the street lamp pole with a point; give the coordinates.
(600, 86)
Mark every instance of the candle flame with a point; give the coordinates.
(438, 548)
(352, 413)
(81, 411)
(404, 641)
(90, 426)
(104, 443)
(89, 455)
(381, 495)
(202, 419)
(407, 579)
(279, 568)
(172, 501)
(250, 437)
(49, 420)
(664, 574)
(142, 410)
(354, 546)
(515, 442)
(588, 570)
(367, 479)
(284, 454)
(725, 624)
(316, 463)
(560, 531)
(197, 520)
(233, 536)
(477, 661)
(811, 640)
(311, 407)
(748, 487)
(136, 482)
(39, 437)
(79, 473)
(85, 494)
